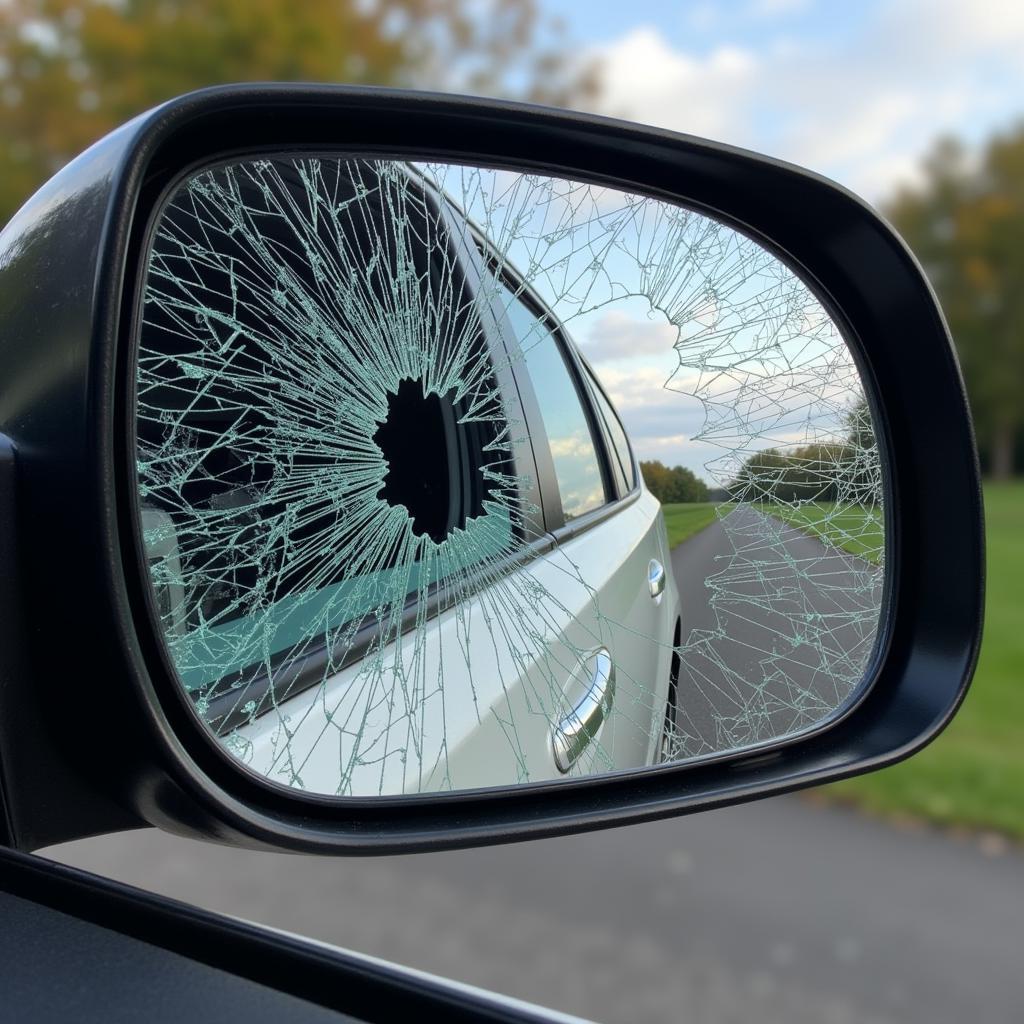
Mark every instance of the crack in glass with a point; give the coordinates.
(345, 490)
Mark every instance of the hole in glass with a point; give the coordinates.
(419, 442)
(362, 401)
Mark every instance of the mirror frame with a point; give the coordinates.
(139, 756)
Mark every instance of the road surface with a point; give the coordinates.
(788, 641)
(773, 913)
(779, 911)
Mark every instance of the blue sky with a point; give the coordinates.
(696, 25)
(630, 280)
(855, 90)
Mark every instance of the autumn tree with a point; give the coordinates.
(71, 70)
(674, 484)
(966, 225)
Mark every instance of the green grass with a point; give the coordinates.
(973, 775)
(856, 530)
(682, 521)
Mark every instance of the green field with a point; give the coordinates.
(854, 529)
(973, 774)
(682, 521)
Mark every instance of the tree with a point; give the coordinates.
(807, 473)
(671, 486)
(845, 470)
(71, 70)
(966, 225)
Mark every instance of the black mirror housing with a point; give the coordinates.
(95, 737)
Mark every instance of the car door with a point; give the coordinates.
(507, 668)
(608, 532)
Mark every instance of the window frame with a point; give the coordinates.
(580, 372)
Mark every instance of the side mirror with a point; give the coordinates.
(389, 471)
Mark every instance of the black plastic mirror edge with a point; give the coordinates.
(124, 750)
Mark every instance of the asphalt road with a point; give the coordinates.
(788, 641)
(780, 911)
(773, 913)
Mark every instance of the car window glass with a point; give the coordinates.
(622, 456)
(217, 537)
(577, 466)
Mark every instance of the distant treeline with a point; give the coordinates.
(846, 470)
(814, 472)
(671, 485)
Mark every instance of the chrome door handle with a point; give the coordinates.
(656, 578)
(570, 736)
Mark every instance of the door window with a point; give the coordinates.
(577, 465)
(621, 454)
(267, 452)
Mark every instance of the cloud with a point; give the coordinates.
(861, 107)
(659, 423)
(645, 78)
(666, 418)
(575, 446)
(643, 386)
(617, 335)
(677, 450)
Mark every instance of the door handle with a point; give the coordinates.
(571, 734)
(656, 578)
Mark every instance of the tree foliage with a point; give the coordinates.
(812, 472)
(677, 484)
(966, 225)
(71, 70)
(842, 470)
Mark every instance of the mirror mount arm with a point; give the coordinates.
(46, 796)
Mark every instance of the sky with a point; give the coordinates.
(855, 90)
(858, 91)
(667, 305)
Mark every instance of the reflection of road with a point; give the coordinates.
(778, 912)
(794, 627)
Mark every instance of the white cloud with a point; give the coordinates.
(575, 446)
(641, 386)
(645, 78)
(862, 109)
(944, 29)
(617, 335)
(677, 450)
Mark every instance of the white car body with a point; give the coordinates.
(467, 743)
(553, 654)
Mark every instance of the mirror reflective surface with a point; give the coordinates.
(452, 477)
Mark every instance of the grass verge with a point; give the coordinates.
(972, 776)
(855, 529)
(682, 521)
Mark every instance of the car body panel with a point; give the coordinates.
(491, 717)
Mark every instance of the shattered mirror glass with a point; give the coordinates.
(452, 477)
